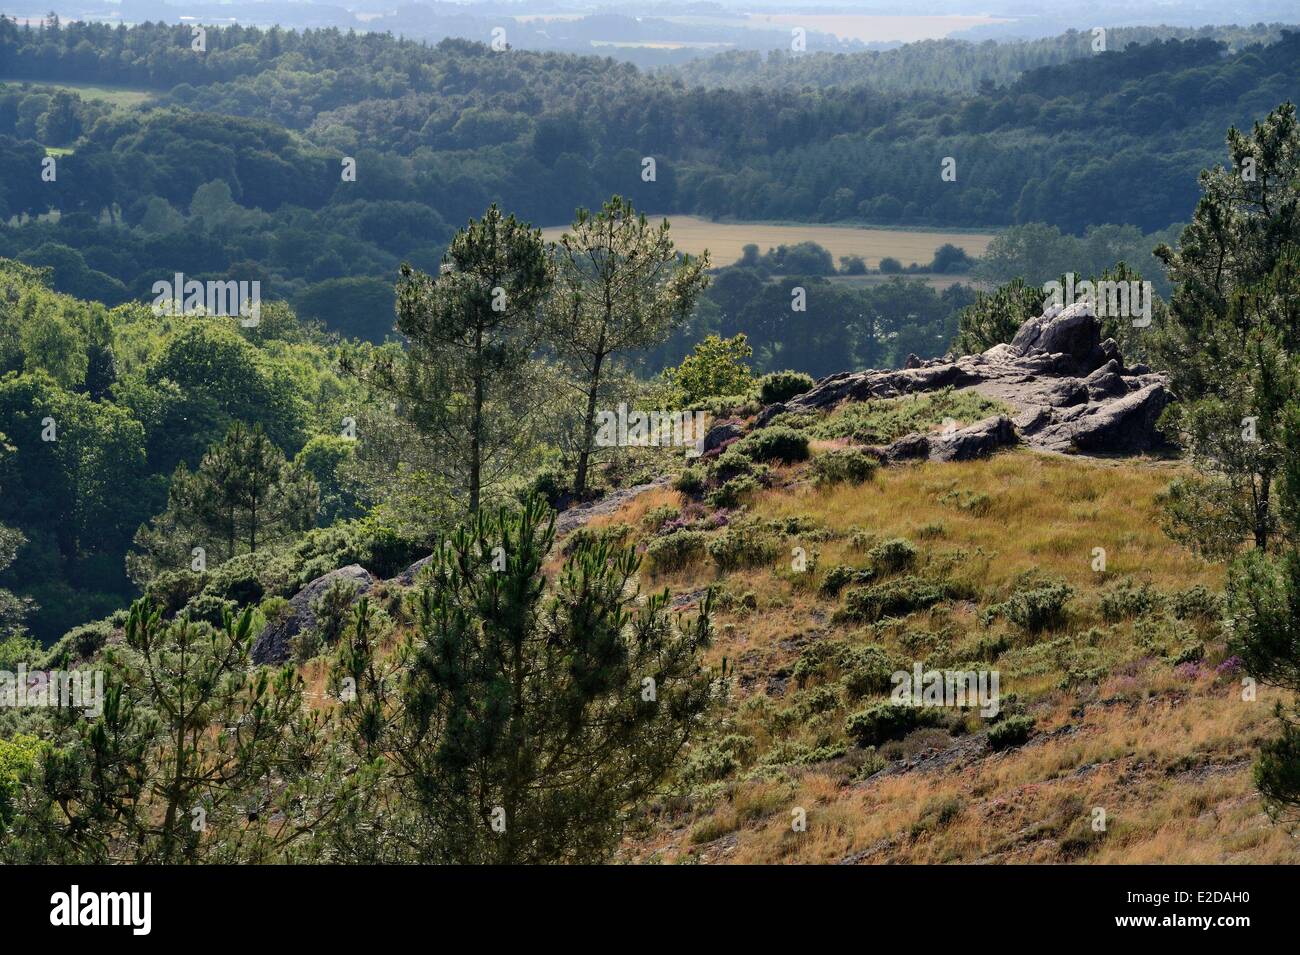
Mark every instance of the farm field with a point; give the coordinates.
(122, 96)
(726, 240)
(871, 28)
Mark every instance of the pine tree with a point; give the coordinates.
(465, 379)
(1231, 335)
(243, 495)
(520, 723)
(620, 285)
(194, 757)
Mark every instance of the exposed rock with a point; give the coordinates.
(1125, 425)
(1068, 391)
(764, 416)
(274, 643)
(575, 517)
(978, 440)
(720, 434)
(1072, 331)
(407, 577)
(962, 444)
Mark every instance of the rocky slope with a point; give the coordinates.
(1070, 391)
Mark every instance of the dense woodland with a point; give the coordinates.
(234, 166)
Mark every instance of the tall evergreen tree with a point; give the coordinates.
(620, 285)
(243, 495)
(520, 722)
(1231, 334)
(464, 378)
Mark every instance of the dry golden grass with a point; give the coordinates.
(1044, 512)
(726, 241)
(1166, 754)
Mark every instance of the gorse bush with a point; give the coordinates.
(675, 551)
(781, 386)
(690, 480)
(840, 576)
(884, 721)
(743, 544)
(892, 598)
(844, 466)
(733, 493)
(893, 555)
(1012, 731)
(1036, 609)
(1127, 600)
(775, 443)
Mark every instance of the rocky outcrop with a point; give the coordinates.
(1068, 391)
(274, 643)
(575, 517)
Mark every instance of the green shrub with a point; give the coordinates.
(883, 420)
(85, 641)
(691, 481)
(612, 534)
(1126, 601)
(19, 756)
(883, 721)
(780, 386)
(1196, 603)
(844, 466)
(173, 589)
(1039, 608)
(892, 598)
(20, 648)
(275, 609)
(657, 517)
(840, 576)
(743, 545)
(1012, 731)
(867, 671)
(893, 555)
(718, 759)
(731, 463)
(777, 443)
(733, 493)
(675, 551)
(550, 483)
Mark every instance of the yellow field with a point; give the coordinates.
(868, 28)
(116, 95)
(726, 240)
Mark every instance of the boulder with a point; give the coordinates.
(978, 440)
(1073, 331)
(961, 444)
(274, 643)
(720, 434)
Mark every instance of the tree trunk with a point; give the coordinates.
(476, 425)
(588, 425)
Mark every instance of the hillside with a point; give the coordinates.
(1134, 707)
(1117, 692)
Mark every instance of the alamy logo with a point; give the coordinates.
(947, 688)
(1130, 299)
(622, 428)
(103, 908)
(178, 296)
(68, 689)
